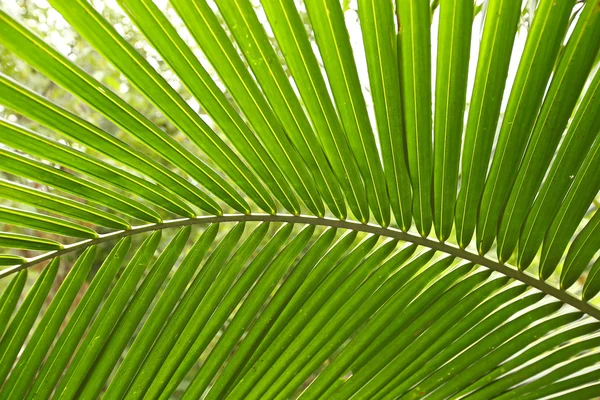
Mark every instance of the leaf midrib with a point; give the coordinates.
(504, 269)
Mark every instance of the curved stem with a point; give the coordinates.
(504, 269)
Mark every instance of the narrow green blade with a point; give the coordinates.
(588, 392)
(454, 48)
(440, 277)
(181, 316)
(359, 347)
(18, 241)
(592, 282)
(461, 283)
(383, 294)
(480, 349)
(189, 347)
(501, 20)
(259, 378)
(581, 252)
(8, 260)
(414, 34)
(582, 382)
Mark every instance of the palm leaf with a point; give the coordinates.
(122, 278)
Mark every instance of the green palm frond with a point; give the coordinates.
(212, 239)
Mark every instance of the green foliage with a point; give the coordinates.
(186, 191)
